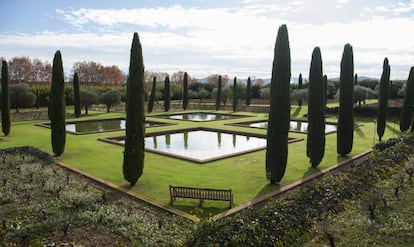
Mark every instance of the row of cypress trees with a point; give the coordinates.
(279, 114)
(167, 100)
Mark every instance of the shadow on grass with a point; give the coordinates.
(392, 128)
(311, 171)
(359, 132)
(341, 158)
(296, 113)
(267, 189)
(202, 211)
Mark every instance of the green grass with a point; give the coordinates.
(244, 174)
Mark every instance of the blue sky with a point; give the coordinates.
(203, 37)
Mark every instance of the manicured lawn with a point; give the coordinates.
(244, 174)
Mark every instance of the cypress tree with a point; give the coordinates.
(185, 92)
(300, 87)
(218, 96)
(152, 95)
(133, 164)
(383, 99)
(325, 90)
(167, 97)
(345, 127)
(279, 114)
(407, 108)
(235, 97)
(356, 79)
(316, 111)
(76, 95)
(5, 99)
(57, 110)
(248, 91)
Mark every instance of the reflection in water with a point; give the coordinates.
(186, 140)
(100, 125)
(202, 144)
(298, 126)
(200, 116)
(154, 139)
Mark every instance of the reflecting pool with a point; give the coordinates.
(200, 145)
(101, 125)
(295, 126)
(201, 116)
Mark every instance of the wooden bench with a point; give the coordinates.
(200, 193)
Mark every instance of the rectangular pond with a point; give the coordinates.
(200, 145)
(100, 125)
(294, 126)
(200, 116)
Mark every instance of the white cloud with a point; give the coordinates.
(234, 41)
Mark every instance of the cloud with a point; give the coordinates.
(237, 41)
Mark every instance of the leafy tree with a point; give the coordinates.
(363, 93)
(21, 96)
(88, 98)
(76, 95)
(265, 92)
(225, 94)
(218, 96)
(235, 98)
(185, 91)
(279, 114)
(152, 96)
(248, 91)
(57, 109)
(5, 99)
(133, 164)
(111, 98)
(300, 83)
(202, 94)
(345, 127)
(167, 93)
(407, 108)
(315, 148)
(383, 98)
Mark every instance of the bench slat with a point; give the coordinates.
(201, 193)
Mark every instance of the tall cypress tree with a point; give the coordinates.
(356, 79)
(279, 114)
(218, 96)
(325, 90)
(248, 91)
(407, 108)
(235, 96)
(383, 99)
(300, 87)
(185, 91)
(167, 97)
(133, 164)
(76, 95)
(57, 110)
(345, 128)
(316, 111)
(5, 99)
(152, 95)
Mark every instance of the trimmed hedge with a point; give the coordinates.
(284, 221)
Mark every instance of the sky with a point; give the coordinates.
(204, 37)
